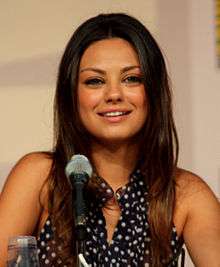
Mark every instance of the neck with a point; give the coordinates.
(115, 162)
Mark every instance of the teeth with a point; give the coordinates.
(115, 113)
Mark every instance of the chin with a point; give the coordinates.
(116, 138)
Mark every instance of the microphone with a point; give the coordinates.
(78, 170)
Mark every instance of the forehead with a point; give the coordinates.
(109, 51)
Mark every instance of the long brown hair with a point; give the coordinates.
(159, 146)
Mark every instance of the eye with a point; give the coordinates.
(133, 79)
(94, 82)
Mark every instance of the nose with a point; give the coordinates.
(114, 93)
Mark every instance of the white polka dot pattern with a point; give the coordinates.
(130, 245)
(48, 252)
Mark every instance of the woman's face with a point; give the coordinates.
(112, 102)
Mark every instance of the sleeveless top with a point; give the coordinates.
(130, 244)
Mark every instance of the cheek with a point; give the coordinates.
(87, 100)
(139, 99)
(143, 99)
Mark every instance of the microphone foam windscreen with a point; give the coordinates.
(78, 164)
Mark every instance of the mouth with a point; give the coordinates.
(114, 113)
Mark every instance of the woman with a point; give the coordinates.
(113, 104)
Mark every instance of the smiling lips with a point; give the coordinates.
(114, 113)
(115, 116)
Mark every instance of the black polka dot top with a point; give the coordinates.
(130, 244)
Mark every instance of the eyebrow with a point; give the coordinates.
(125, 69)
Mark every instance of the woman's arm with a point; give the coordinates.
(20, 207)
(202, 227)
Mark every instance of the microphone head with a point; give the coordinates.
(79, 164)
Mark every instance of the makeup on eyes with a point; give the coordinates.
(98, 80)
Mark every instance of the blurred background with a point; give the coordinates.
(34, 35)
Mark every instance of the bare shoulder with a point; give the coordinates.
(197, 214)
(20, 199)
(28, 175)
(193, 196)
(32, 168)
(35, 160)
(190, 185)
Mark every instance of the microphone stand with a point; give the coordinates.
(80, 214)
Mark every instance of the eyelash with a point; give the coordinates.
(129, 79)
(134, 79)
(94, 81)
